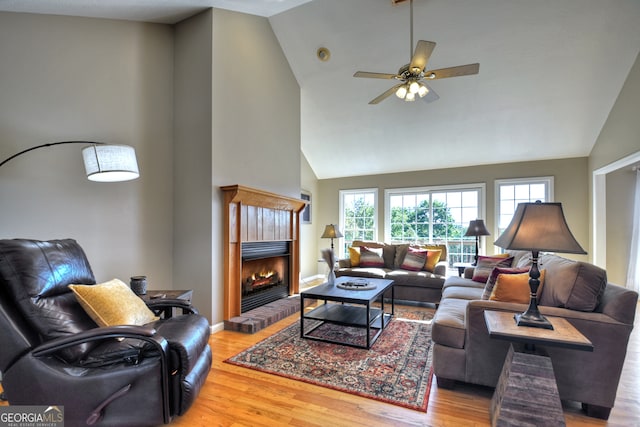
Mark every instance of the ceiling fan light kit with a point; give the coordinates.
(412, 74)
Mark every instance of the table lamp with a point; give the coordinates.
(331, 232)
(538, 227)
(477, 229)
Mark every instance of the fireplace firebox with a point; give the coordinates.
(265, 273)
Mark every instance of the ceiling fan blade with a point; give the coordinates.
(422, 54)
(431, 96)
(369, 75)
(385, 95)
(460, 70)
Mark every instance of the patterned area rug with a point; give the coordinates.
(397, 368)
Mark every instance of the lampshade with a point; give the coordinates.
(477, 228)
(539, 227)
(110, 163)
(331, 232)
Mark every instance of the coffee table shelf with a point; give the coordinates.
(347, 308)
(349, 315)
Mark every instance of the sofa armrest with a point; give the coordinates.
(441, 268)
(618, 303)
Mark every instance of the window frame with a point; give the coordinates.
(480, 187)
(548, 181)
(341, 253)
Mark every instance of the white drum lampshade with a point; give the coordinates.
(110, 163)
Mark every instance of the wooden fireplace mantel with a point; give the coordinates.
(252, 215)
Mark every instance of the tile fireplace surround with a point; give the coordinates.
(252, 215)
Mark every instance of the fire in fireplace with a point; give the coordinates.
(265, 273)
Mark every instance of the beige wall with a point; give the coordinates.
(192, 210)
(230, 129)
(309, 233)
(620, 188)
(570, 177)
(65, 78)
(620, 135)
(255, 122)
(619, 139)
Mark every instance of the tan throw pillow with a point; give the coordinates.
(113, 303)
(514, 288)
(354, 256)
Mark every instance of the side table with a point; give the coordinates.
(461, 266)
(157, 295)
(526, 393)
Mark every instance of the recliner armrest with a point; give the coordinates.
(172, 303)
(124, 331)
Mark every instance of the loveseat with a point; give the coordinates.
(413, 282)
(577, 291)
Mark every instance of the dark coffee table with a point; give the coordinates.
(353, 308)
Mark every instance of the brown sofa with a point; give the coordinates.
(420, 286)
(576, 291)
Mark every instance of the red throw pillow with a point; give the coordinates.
(371, 257)
(485, 266)
(414, 260)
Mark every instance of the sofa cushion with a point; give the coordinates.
(371, 257)
(491, 281)
(415, 278)
(462, 292)
(486, 265)
(448, 326)
(414, 260)
(572, 284)
(514, 288)
(375, 273)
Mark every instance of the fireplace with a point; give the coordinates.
(265, 273)
(261, 248)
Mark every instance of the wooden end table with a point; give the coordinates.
(525, 395)
(354, 308)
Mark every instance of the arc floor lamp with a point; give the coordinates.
(102, 162)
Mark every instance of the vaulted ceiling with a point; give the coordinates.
(550, 72)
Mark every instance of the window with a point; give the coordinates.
(358, 216)
(510, 192)
(435, 215)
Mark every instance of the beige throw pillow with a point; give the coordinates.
(113, 303)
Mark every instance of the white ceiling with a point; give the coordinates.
(550, 71)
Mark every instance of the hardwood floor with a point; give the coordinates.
(235, 396)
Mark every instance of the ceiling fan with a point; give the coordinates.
(412, 75)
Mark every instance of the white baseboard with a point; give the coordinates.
(217, 328)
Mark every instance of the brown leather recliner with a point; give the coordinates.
(53, 353)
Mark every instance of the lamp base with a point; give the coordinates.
(532, 320)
